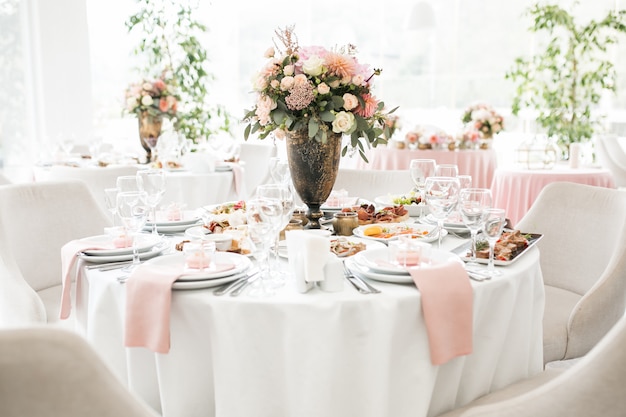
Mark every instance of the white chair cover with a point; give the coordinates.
(256, 164)
(612, 155)
(369, 184)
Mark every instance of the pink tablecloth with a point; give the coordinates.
(515, 190)
(480, 164)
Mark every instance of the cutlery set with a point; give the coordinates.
(359, 284)
(236, 287)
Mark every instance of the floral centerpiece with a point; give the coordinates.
(424, 137)
(154, 97)
(313, 97)
(483, 118)
(468, 138)
(151, 101)
(321, 90)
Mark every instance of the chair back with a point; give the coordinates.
(37, 219)
(612, 156)
(583, 229)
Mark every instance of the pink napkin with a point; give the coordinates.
(68, 262)
(238, 177)
(148, 302)
(447, 300)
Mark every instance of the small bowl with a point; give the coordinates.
(223, 241)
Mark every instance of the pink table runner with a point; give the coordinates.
(480, 164)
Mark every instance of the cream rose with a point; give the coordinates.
(313, 66)
(264, 106)
(279, 134)
(286, 83)
(288, 70)
(350, 101)
(344, 122)
(275, 83)
(300, 79)
(147, 101)
(269, 53)
(323, 88)
(358, 80)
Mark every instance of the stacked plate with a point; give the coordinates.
(454, 223)
(188, 219)
(148, 246)
(392, 231)
(375, 264)
(206, 278)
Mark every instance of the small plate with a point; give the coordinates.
(206, 283)
(223, 168)
(197, 232)
(241, 263)
(145, 242)
(399, 229)
(464, 249)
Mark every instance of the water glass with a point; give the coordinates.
(442, 194)
(133, 213)
(420, 169)
(472, 205)
(152, 183)
(447, 170)
(495, 219)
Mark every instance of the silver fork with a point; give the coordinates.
(361, 285)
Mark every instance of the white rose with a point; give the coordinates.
(286, 83)
(275, 83)
(300, 79)
(288, 70)
(358, 80)
(147, 101)
(350, 101)
(323, 88)
(346, 80)
(313, 66)
(131, 103)
(259, 82)
(334, 84)
(146, 86)
(344, 122)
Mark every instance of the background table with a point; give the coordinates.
(515, 190)
(480, 164)
(319, 354)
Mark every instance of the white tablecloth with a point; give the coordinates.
(319, 354)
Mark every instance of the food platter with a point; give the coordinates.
(463, 251)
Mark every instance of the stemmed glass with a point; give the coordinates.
(152, 183)
(127, 183)
(262, 217)
(110, 199)
(447, 170)
(465, 181)
(420, 169)
(442, 194)
(472, 205)
(279, 170)
(133, 213)
(284, 195)
(495, 219)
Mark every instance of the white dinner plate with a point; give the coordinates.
(377, 260)
(154, 251)
(197, 232)
(206, 283)
(351, 201)
(387, 201)
(187, 217)
(240, 262)
(223, 168)
(454, 224)
(145, 242)
(179, 228)
(419, 229)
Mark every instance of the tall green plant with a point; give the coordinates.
(564, 81)
(170, 43)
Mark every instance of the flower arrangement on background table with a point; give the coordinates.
(483, 118)
(423, 137)
(468, 138)
(323, 91)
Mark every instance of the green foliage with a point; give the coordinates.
(172, 48)
(565, 80)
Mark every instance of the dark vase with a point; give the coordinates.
(314, 166)
(149, 132)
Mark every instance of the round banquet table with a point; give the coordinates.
(318, 353)
(479, 163)
(515, 190)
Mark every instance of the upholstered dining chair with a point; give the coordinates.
(612, 155)
(593, 386)
(46, 371)
(36, 220)
(583, 261)
(369, 184)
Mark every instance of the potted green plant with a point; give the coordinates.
(564, 81)
(172, 50)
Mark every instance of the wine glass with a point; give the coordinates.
(152, 183)
(495, 219)
(126, 183)
(447, 170)
(472, 205)
(133, 213)
(465, 181)
(262, 216)
(420, 169)
(279, 170)
(110, 199)
(442, 194)
(285, 196)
